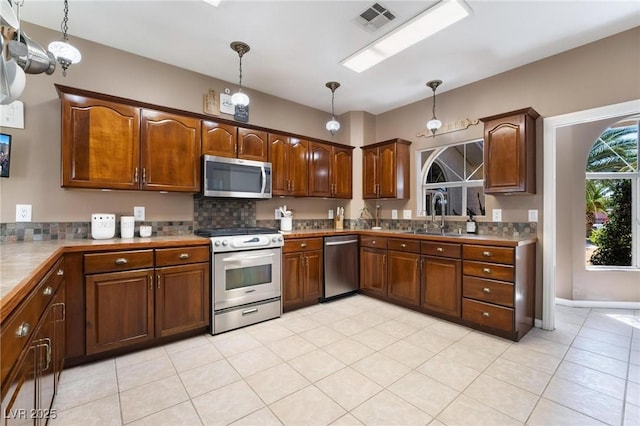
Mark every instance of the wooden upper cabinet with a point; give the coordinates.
(219, 139)
(289, 158)
(385, 170)
(342, 172)
(252, 144)
(100, 143)
(510, 152)
(170, 152)
(320, 170)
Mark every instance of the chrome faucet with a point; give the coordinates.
(443, 201)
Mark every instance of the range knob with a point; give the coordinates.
(216, 243)
(274, 239)
(225, 243)
(280, 239)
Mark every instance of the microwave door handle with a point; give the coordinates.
(264, 179)
(236, 259)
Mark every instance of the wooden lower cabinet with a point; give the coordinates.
(302, 273)
(441, 285)
(403, 275)
(373, 271)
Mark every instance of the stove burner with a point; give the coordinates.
(226, 232)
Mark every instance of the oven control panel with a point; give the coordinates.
(246, 242)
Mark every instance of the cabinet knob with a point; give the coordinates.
(486, 315)
(60, 272)
(486, 290)
(486, 253)
(403, 245)
(486, 270)
(48, 291)
(23, 329)
(439, 249)
(184, 255)
(303, 245)
(121, 261)
(373, 242)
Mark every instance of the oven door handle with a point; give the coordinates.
(237, 259)
(264, 180)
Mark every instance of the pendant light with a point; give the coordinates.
(240, 98)
(333, 125)
(434, 124)
(64, 52)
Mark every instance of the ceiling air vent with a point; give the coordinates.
(374, 17)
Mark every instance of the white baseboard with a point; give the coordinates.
(597, 304)
(537, 323)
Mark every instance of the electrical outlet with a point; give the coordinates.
(394, 214)
(497, 215)
(406, 214)
(533, 215)
(138, 213)
(330, 214)
(278, 214)
(23, 212)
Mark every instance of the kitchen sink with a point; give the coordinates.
(434, 233)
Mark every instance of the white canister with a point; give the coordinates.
(127, 225)
(103, 226)
(286, 223)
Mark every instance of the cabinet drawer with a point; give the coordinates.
(302, 244)
(181, 256)
(488, 290)
(488, 270)
(374, 242)
(19, 328)
(412, 246)
(441, 249)
(117, 261)
(488, 315)
(488, 254)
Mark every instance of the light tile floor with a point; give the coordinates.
(361, 361)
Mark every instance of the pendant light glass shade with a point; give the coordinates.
(64, 52)
(434, 124)
(333, 125)
(239, 98)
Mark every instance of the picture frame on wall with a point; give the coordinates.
(5, 151)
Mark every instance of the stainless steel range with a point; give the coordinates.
(247, 279)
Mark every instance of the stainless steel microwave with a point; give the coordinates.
(235, 178)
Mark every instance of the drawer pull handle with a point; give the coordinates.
(486, 290)
(373, 242)
(403, 245)
(121, 261)
(23, 329)
(486, 315)
(486, 253)
(60, 272)
(249, 311)
(486, 270)
(184, 255)
(303, 245)
(48, 291)
(439, 249)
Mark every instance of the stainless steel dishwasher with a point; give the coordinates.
(341, 271)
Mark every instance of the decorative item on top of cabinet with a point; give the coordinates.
(510, 152)
(289, 157)
(386, 169)
(330, 170)
(114, 143)
(226, 140)
(302, 272)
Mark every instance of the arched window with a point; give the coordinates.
(612, 194)
(457, 171)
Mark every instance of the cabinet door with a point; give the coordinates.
(20, 397)
(170, 155)
(252, 144)
(279, 158)
(320, 170)
(441, 285)
(182, 298)
(59, 344)
(100, 144)
(387, 181)
(342, 172)
(119, 309)
(373, 271)
(292, 278)
(45, 343)
(298, 161)
(313, 276)
(370, 173)
(218, 139)
(404, 277)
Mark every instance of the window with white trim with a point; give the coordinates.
(457, 171)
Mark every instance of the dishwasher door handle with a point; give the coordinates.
(339, 243)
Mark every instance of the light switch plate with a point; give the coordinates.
(138, 213)
(23, 212)
(533, 215)
(394, 214)
(330, 214)
(497, 215)
(406, 214)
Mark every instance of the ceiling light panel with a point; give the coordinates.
(429, 22)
